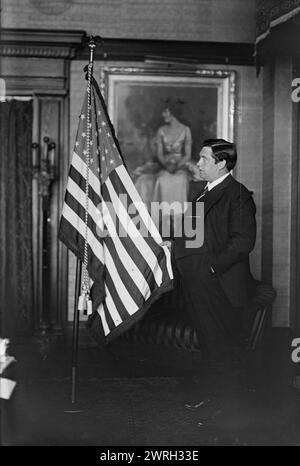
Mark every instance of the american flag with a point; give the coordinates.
(129, 271)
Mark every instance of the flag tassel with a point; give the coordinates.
(89, 307)
(82, 303)
(85, 304)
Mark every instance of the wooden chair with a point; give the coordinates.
(258, 313)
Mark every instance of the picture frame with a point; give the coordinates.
(136, 96)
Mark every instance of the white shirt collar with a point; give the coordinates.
(217, 181)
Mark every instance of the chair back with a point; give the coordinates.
(257, 314)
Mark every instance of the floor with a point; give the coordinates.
(136, 394)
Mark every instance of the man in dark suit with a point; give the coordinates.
(215, 277)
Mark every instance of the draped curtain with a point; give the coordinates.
(270, 13)
(277, 29)
(16, 270)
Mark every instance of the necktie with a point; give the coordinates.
(203, 193)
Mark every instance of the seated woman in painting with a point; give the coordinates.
(174, 145)
(168, 180)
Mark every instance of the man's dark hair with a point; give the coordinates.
(222, 150)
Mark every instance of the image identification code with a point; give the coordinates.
(150, 455)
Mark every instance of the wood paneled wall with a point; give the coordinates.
(280, 188)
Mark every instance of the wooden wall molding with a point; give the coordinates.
(37, 51)
(74, 45)
(182, 52)
(28, 85)
(40, 43)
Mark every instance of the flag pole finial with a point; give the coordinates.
(92, 46)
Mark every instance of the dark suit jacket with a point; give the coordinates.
(229, 237)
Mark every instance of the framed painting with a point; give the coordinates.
(137, 96)
(145, 105)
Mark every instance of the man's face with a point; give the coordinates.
(209, 169)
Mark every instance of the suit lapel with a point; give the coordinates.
(213, 196)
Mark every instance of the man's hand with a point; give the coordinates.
(194, 170)
(167, 243)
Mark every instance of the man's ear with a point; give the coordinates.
(222, 164)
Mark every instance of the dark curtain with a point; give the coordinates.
(16, 218)
(268, 11)
(277, 29)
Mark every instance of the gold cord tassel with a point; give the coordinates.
(85, 302)
(82, 302)
(89, 307)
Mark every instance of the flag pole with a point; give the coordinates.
(78, 305)
(75, 330)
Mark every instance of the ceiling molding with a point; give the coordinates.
(168, 51)
(36, 51)
(40, 43)
(74, 45)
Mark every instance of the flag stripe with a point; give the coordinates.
(124, 256)
(101, 312)
(134, 233)
(80, 226)
(133, 212)
(121, 176)
(116, 293)
(136, 256)
(113, 312)
(80, 166)
(75, 205)
(127, 299)
(134, 195)
(109, 319)
(160, 252)
(144, 285)
(75, 241)
(76, 199)
(136, 252)
(125, 274)
(122, 184)
(150, 257)
(80, 180)
(128, 270)
(125, 179)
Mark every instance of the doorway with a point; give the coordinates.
(16, 258)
